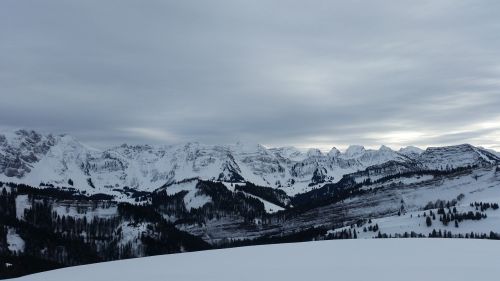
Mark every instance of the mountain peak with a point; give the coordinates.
(289, 152)
(314, 152)
(410, 150)
(354, 151)
(333, 152)
(385, 148)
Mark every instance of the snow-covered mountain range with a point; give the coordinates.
(135, 201)
(61, 160)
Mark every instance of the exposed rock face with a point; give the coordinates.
(20, 150)
(449, 157)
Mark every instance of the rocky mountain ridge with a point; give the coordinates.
(33, 158)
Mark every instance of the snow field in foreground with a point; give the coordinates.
(373, 259)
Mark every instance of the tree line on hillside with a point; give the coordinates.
(53, 240)
(441, 234)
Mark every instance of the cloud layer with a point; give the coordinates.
(304, 73)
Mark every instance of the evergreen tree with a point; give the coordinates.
(428, 221)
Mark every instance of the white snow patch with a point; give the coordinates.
(194, 200)
(82, 210)
(22, 203)
(132, 232)
(14, 241)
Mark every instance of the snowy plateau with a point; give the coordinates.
(63, 204)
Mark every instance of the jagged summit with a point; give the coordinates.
(334, 152)
(385, 148)
(411, 151)
(314, 152)
(354, 151)
(288, 152)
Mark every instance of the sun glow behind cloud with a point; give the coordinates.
(151, 133)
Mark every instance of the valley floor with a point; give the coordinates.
(362, 259)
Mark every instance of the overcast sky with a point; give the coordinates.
(303, 73)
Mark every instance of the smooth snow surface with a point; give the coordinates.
(384, 260)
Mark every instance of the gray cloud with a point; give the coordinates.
(315, 73)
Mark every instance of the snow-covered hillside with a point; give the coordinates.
(384, 259)
(32, 158)
(137, 201)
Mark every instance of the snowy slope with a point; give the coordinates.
(384, 259)
(415, 222)
(268, 206)
(193, 199)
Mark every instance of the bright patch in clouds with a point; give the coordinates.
(150, 133)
